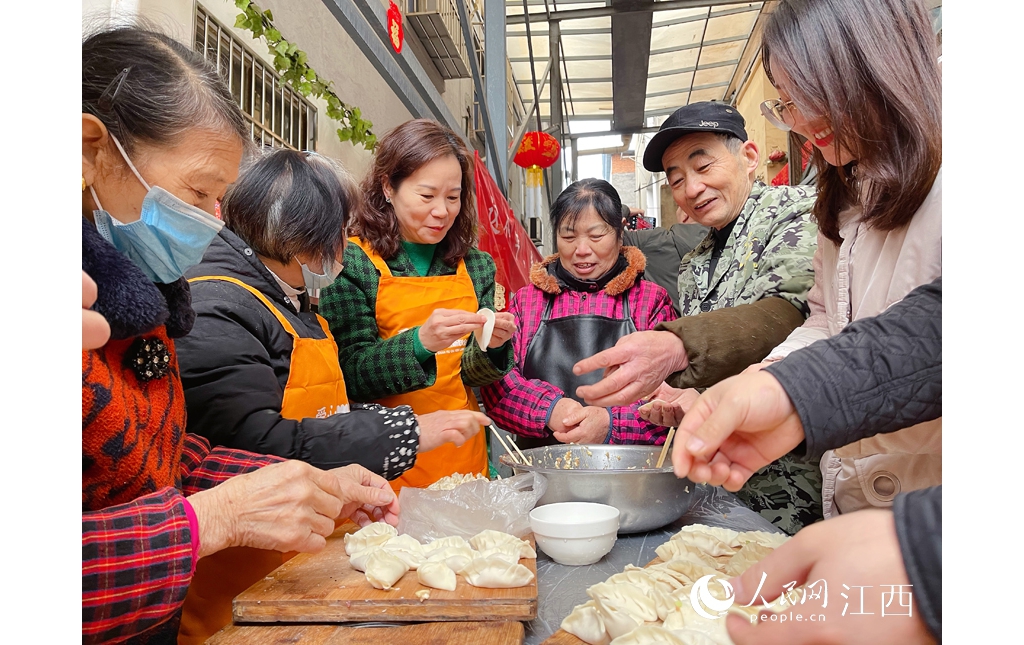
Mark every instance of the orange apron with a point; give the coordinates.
(315, 389)
(407, 302)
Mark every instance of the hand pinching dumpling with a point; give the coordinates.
(383, 570)
(370, 535)
(495, 573)
(437, 575)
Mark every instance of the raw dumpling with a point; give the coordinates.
(746, 557)
(508, 552)
(489, 539)
(437, 575)
(681, 550)
(495, 573)
(585, 623)
(649, 634)
(444, 543)
(406, 549)
(383, 569)
(724, 535)
(626, 597)
(456, 557)
(685, 571)
(770, 540)
(370, 535)
(359, 558)
(617, 621)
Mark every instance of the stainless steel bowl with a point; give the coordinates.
(621, 476)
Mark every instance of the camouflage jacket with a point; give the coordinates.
(768, 253)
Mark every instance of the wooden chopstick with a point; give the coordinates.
(664, 448)
(516, 446)
(511, 454)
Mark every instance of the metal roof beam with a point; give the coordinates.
(617, 8)
(630, 64)
(698, 45)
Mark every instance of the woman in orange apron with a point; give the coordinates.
(405, 305)
(260, 368)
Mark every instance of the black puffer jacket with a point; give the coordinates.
(235, 364)
(879, 375)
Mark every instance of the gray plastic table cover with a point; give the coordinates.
(560, 588)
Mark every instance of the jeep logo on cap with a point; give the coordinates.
(709, 124)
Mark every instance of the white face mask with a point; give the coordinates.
(317, 281)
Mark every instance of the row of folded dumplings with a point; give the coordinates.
(489, 559)
(653, 605)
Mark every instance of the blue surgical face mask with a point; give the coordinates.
(169, 238)
(317, 281)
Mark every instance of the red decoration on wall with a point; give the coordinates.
(395, 33)
(537, 149)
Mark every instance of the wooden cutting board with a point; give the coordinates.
(562, 637)
(493, 633)
(324, 588)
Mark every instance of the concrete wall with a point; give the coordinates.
(766, 136)
(332, 53)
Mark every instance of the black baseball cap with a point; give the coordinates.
(705, 116)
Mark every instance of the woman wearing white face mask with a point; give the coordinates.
(259, 368)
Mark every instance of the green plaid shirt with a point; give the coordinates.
(376, 368)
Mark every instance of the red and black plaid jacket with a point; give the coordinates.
(137, 558)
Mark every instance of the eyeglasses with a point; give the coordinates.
(779, 113)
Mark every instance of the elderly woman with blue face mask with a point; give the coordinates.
(161, 141)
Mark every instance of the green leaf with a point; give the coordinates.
(281, 49)
(356, 113)
(305, 88)
(256, 28)
(344, 135)
(242, 4)
(301, 58)
(273, 35)
(292, 48)
(269, 15)
(282, 63)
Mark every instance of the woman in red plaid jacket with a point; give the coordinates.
(581, 301)
(161, 140)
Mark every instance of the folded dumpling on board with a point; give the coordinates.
(685, 571)
(495, 573)
(489, 539)
(764, 538)
(443, 543)
(370, 535)
(648, 634)
(682, 550)
(585, 623)
(628, 598)
(617, 621)
(437, 575)
(749, 555)
(359, 558)
(383, 570)
(456, 557)
(508, 552)
(406, 549)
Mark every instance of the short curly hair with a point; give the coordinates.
(400, 153)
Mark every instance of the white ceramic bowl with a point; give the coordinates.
(575, 533)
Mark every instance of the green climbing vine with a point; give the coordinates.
(291, 64)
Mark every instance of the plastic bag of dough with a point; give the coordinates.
(383, 570)
(495, 573)
(491, 539)
(457, 558)
(437, 575)
(585, 623)
(370, 535)
(406, 549)
(503, 505)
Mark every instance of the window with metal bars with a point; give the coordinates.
(277, 115)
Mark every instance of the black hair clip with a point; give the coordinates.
(106, 101)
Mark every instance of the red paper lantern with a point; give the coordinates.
(395, 33)
(537, 149)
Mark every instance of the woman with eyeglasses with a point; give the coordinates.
(861, 81)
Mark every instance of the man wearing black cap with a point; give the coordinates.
(742, 290)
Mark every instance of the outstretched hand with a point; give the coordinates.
(734, 429)
(633, 368)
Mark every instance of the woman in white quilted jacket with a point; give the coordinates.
(861, 81)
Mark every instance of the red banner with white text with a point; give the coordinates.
(503, 237)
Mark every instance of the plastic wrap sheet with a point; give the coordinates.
(502, 505)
